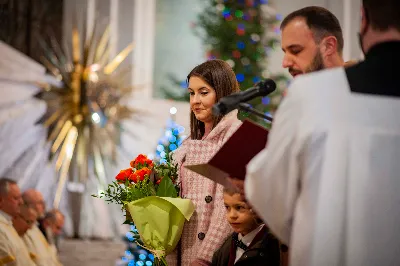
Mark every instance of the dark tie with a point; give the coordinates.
(239, 243)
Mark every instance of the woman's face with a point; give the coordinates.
(202, 99)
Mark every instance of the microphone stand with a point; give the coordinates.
(247, 108)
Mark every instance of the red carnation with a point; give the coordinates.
(142, 173)
(123, 175)
(133, 177)
(141, 161)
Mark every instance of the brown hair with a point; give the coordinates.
(383, 14)
(220, 76)
(233, 191)
(320, 21)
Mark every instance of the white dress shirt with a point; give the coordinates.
(247, 239)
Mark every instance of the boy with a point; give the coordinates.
(251, 243)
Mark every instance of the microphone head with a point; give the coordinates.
(219, 109)
(266, 87)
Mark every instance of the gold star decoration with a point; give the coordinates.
(85, 114)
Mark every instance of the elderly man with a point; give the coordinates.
(52, 225)
(34, 199)
(12, 249)
(24, 220)
(34, 238)
(22, 223)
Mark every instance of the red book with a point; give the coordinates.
(231, 160)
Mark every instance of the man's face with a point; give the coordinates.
(302, 54)
(24, 222)
(38, 204)
(11, 202)
(57, 225)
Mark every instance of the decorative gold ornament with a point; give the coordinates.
(84, 115)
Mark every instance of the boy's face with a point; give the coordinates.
(239, 214)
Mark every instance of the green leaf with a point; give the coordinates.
(166, 188)
(166, 172)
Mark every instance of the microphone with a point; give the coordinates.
(231, 102)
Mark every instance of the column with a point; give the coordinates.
(143, 53)
(347, 29)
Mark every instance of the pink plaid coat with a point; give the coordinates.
(208, 228)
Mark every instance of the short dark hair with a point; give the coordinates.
(320, 21)
(232, 191)
(220, 76)
(4, 185)
(383, 14)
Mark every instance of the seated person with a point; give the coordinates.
(51, 225)
(24, 220)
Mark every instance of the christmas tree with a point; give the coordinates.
(243, 33)
(171, 139)
(134, 254)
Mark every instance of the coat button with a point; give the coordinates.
(245, 257)
(261, 254)
(201, 236)
(208, 199)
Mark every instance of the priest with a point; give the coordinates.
(13, 251)
(328, 182)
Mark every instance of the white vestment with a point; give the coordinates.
(37, 244)
(13, 251)
(328, 182)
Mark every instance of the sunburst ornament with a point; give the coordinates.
(84, 114)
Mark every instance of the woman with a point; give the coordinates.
(207, 229)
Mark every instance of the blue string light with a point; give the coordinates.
(226, 13)
(256, 79)
(183, 84)
(172, 147)
(130, 237)
(240, 45)
(266, 100)
(170, 141)
(240, 77)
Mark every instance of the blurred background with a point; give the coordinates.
(87, 85)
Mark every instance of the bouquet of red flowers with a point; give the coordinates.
(148, 194)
